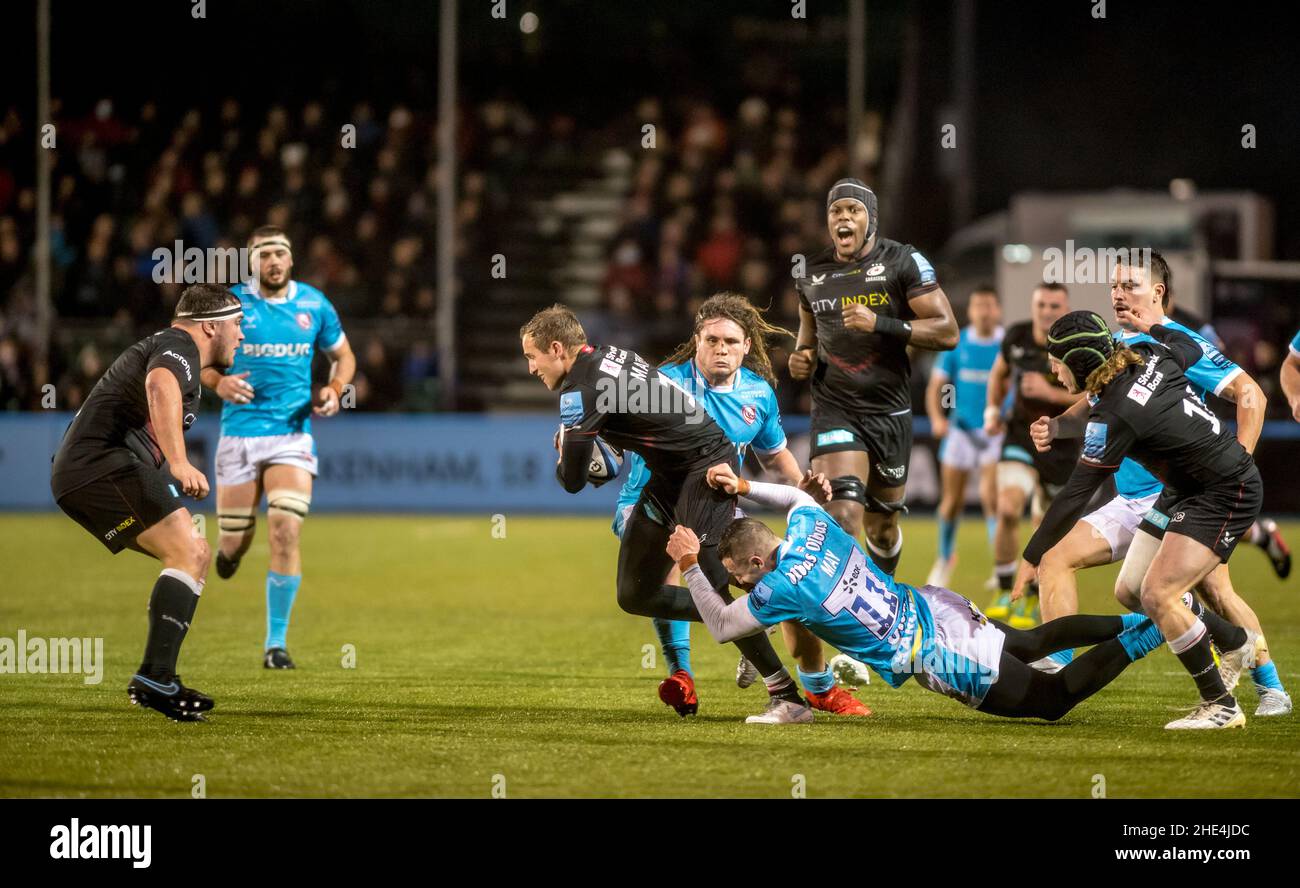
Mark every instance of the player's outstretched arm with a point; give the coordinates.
(784, 464)
(1251, 407)
(769, 496)
(726, 621)
(163, 393)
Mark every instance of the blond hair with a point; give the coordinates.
(1113, 366)
(555, 324)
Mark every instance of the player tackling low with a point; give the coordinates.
(122, 467)
(820, 576)
(266, 443)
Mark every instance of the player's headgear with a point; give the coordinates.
(207, 302)
(855, 189)
(1081, 341)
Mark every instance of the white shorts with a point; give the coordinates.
(1118, 521)
(968, 450)
(242, 459)
(961, 657)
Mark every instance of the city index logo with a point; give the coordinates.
(871, 300)
(277, 349)
(121, 527)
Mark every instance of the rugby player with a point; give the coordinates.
(1264, 533)
(122, 467)
(820, 576)
(1291, 377)
(725, 366)
(266, 445)
(862, 302)
(1105, 535)
(631, 405)
(1025, 476)
(964, 448)
(1143, 407)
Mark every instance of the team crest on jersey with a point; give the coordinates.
(817, 280)
(304, 320)
(878, 268)
(749, 414)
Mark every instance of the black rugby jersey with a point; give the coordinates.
(112, 429)
(1154, 416)
(617, 394)
(864, 372)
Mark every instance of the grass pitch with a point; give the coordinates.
(487, 664)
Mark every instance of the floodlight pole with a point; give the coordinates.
(446, 314)
(44, 304)
(857, 85)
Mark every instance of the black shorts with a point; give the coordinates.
(1054, 467)
(690, 501)
(886, 438)
(117, 507)
(1215, 517)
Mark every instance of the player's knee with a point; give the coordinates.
(629, 595)
(286, 510)
(236, 521)
(848, 502)
(882, 530)
(1154, 598)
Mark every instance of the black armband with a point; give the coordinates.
(888, 326)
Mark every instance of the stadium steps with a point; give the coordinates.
(557, 252)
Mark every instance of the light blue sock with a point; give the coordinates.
(1062, 657)
(947, 538)
(1131, 619)
(991, 528)
(280, 592)
(817, 682)
(1266, 677)
(1141, 639)
(675, 642)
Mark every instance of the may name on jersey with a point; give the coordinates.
(864, 372)
(280, 339)
(823, 578)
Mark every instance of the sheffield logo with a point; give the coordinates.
(90, 842)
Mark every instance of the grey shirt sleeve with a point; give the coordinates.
(726, 621)
(779, 496)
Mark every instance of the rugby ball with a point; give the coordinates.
(606, 460)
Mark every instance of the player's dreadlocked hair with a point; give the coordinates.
(735, 307)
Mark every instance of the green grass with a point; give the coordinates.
(478, 656)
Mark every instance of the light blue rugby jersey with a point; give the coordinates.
(824, 580)
(280, 338)
(746, 410)
(1295, 345)
(968, 366)
(1211, 373)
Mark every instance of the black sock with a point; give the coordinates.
(1199, 662)
(887, 563)
(758, 650)
(1006, 579)
(1226, 637)
(171, 608)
